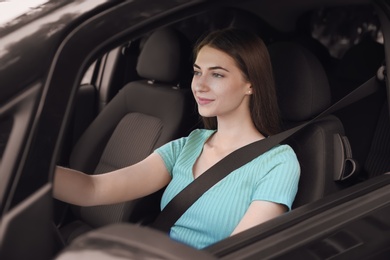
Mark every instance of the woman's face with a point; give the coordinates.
(218, 84)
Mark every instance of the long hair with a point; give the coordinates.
(252, 58)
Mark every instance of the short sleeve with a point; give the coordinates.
(169, 152)
(280, 183)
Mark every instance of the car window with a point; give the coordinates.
(340, 28)
(88, 76)
(10, 10)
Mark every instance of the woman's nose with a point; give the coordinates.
(199, 83)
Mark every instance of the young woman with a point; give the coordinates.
(234, 89)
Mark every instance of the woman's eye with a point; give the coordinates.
(217, 75)
(196, 73)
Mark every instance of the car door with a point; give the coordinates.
(28, 128)
(43, 60)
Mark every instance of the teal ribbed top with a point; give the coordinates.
(273, 176)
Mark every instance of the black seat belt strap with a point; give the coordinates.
(184, 199)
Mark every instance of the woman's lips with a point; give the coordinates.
(204, 101)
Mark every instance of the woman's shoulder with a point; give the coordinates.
(279, 160)
(281, 152)
(282, 148)
(196, 136)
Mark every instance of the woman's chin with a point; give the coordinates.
(205, 113)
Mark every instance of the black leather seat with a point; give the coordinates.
(144, 115)
(303, 92)
(359, 64)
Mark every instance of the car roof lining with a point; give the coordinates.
(288, 11)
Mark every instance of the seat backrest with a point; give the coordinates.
(303, 92)
(359, 64)
(144, 115)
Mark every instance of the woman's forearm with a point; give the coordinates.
(132, 182)
(74, 187)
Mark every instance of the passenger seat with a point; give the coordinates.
(144, 115)
(303, 92)
(361, 120)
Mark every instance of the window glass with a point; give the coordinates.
(340, 28)
(88, 76)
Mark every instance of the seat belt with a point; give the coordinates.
(184, 199)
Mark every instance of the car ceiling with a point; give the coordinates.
(282, 14)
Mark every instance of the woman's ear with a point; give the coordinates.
(250, 90)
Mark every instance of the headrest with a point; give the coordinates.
(161, 58)
(301, 82)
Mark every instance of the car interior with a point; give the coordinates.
(138, 96)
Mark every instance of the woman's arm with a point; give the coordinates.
(125, 184)
(258, 212)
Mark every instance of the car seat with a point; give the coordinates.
(360, 63)
(303, 92)
(144, 115)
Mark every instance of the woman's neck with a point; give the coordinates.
(233, 135)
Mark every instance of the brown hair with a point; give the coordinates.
(252, 58)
